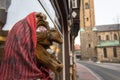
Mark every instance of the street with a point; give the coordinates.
(105, 71)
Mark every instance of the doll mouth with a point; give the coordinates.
(41, 29)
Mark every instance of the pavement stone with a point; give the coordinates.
(84, 73)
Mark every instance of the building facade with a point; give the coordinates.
(87, 25)
(98, 43)
(108, 47)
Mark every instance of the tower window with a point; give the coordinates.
(86, 6)
(87, 19)
(89, 45)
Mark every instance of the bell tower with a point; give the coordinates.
(87, 27)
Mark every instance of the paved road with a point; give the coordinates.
(113, 66)
(104, 73)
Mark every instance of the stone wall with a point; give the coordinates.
(109, 33)
(110, 55)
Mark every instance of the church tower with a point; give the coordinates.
(87, 29)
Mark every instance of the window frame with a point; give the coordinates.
(105, 52)
(87, 6)
(114, 52)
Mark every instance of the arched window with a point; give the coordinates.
(99, 37)
(89, 45)
(86, 6)
(87, 19)
(105, 52)
(107, 37)
(114, 52)
(115, 37)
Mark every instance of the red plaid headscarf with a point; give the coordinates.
(19, 61)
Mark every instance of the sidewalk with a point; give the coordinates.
(84, 73)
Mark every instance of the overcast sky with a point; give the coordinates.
(106, 12)
(16, 12)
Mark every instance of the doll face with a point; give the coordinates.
(41, 20)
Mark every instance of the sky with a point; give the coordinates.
(17, 13)
(106, 12)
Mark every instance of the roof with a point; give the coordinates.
(108, 43)
(111, 27)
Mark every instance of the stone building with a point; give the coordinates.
(100, 43)
(87, 25)
(108, 46)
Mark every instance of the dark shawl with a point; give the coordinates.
(19, 61)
